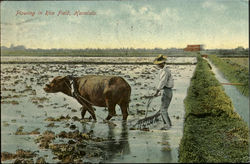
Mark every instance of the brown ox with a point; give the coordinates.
(94, 90)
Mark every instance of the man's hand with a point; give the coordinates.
(156, 93)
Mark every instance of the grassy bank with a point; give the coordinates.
(235, 73)
(94, 53)
(64, 53)
(213, 132)
(244, 62)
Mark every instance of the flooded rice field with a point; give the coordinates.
(39, 126)
(96, 60)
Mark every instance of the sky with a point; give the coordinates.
(125, 24)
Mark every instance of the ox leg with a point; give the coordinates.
(109, 105)
(111, 109)
(90, 110)
(124, 108)
(83, 111)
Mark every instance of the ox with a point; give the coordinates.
(94, 90)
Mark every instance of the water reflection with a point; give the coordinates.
(117, 144)
(85, 126)
(166, 148)
(117, 147)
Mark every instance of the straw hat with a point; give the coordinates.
(160, 59)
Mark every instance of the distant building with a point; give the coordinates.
(19, 47)
(198, 47)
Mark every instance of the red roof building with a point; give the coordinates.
(193, 48)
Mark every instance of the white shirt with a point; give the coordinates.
(166, 79)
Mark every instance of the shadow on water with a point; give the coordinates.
(166, 152)
(117, 143)
(124, 145)
(120, 149)
(117, 146)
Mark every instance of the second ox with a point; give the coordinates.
(94, 90)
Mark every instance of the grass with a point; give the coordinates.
(92, 53)
(235, 73)
(213, 132)
(238, 61)
(214, 140)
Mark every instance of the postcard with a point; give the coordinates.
(125, 81)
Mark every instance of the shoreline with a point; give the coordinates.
(96, 60)
(100, 63)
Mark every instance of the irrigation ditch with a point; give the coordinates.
(240, 101)
(234, 72)
(213, 131)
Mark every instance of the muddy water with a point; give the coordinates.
(240, 102)
(25, 105)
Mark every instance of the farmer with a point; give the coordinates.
(166, 83)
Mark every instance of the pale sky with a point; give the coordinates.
(126, 24)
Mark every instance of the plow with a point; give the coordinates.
(147, 120)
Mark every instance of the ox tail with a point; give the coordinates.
(128, 98)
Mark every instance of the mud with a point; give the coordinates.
(61, 118)
(20, 131)
(45, 139)
(50, 124)
(19, 155)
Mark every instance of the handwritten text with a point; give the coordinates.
(54, 13)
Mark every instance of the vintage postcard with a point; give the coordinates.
(125, 81)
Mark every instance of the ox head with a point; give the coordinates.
(58, 84)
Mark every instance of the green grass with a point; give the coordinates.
(214, 139)
(71, 53)
(92, 53)
(235, 73)
(213, 132)
(237, 61)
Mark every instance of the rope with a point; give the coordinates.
(75, 92)
(148, 104)
(76, 95)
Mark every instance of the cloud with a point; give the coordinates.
(74, 20)
(26, 21)
(5, 23)
(148, 13)
(21, 30)
(19, 23)
(244, 1)
(216, 6)
(143, 13)
(145, 9)
(171, 14)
